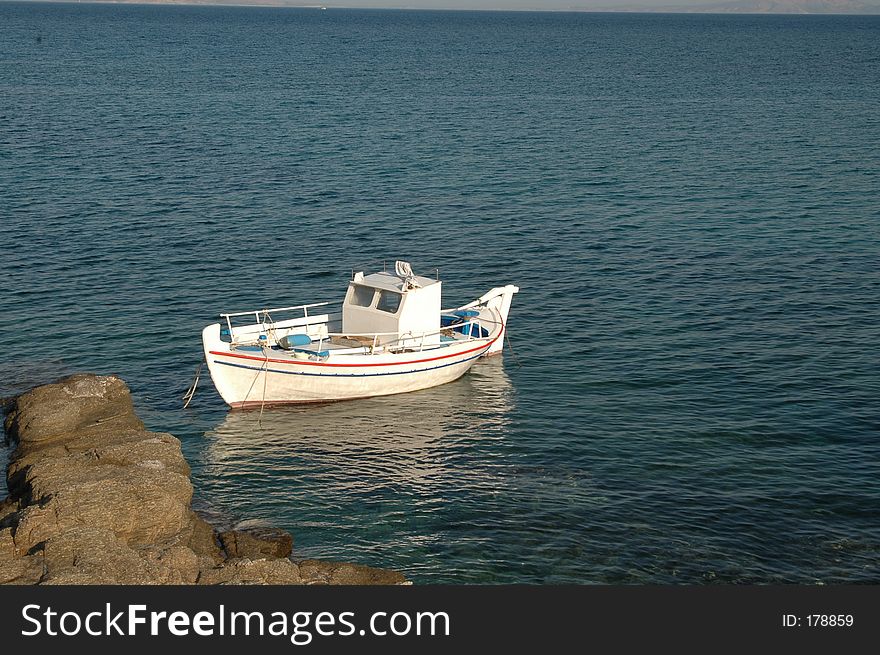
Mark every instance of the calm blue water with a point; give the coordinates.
(689, 204)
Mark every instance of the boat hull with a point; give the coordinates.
(258, 379)
(248, 369)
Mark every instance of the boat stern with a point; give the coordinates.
(501, 302)
(493, 307)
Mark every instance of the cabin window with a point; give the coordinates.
(361, 296)
(388, 302)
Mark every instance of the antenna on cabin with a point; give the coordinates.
(404, 271)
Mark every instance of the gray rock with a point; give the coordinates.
(98, 499)
(248, 572)
(201, 538)
(21, 570)
(89, 555)
(93, 555)
(141, 506)
(174, 564)
(8, 512)
(257, 543)
(7, 545)
(321, 572)
(75, 403)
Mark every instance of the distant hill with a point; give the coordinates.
(780, 7)
(749, 7)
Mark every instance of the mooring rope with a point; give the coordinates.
(263, 401)
(510, 347)
(263, 366)
(191, 391)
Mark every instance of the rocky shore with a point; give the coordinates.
(96, 498)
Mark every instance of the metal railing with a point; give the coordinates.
(263, 317)
(264, 320)
(402, 340)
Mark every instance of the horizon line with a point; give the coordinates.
(705, 9)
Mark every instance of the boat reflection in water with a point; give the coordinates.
(368, 475)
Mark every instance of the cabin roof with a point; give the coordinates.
(391, 282)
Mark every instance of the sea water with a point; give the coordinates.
(688, 203)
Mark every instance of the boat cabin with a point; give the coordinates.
(407, 305)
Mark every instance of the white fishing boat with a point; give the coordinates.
(389, 336)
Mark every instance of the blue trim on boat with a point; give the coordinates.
(472, 330)
(349, 375)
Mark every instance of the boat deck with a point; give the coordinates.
(347, 345)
